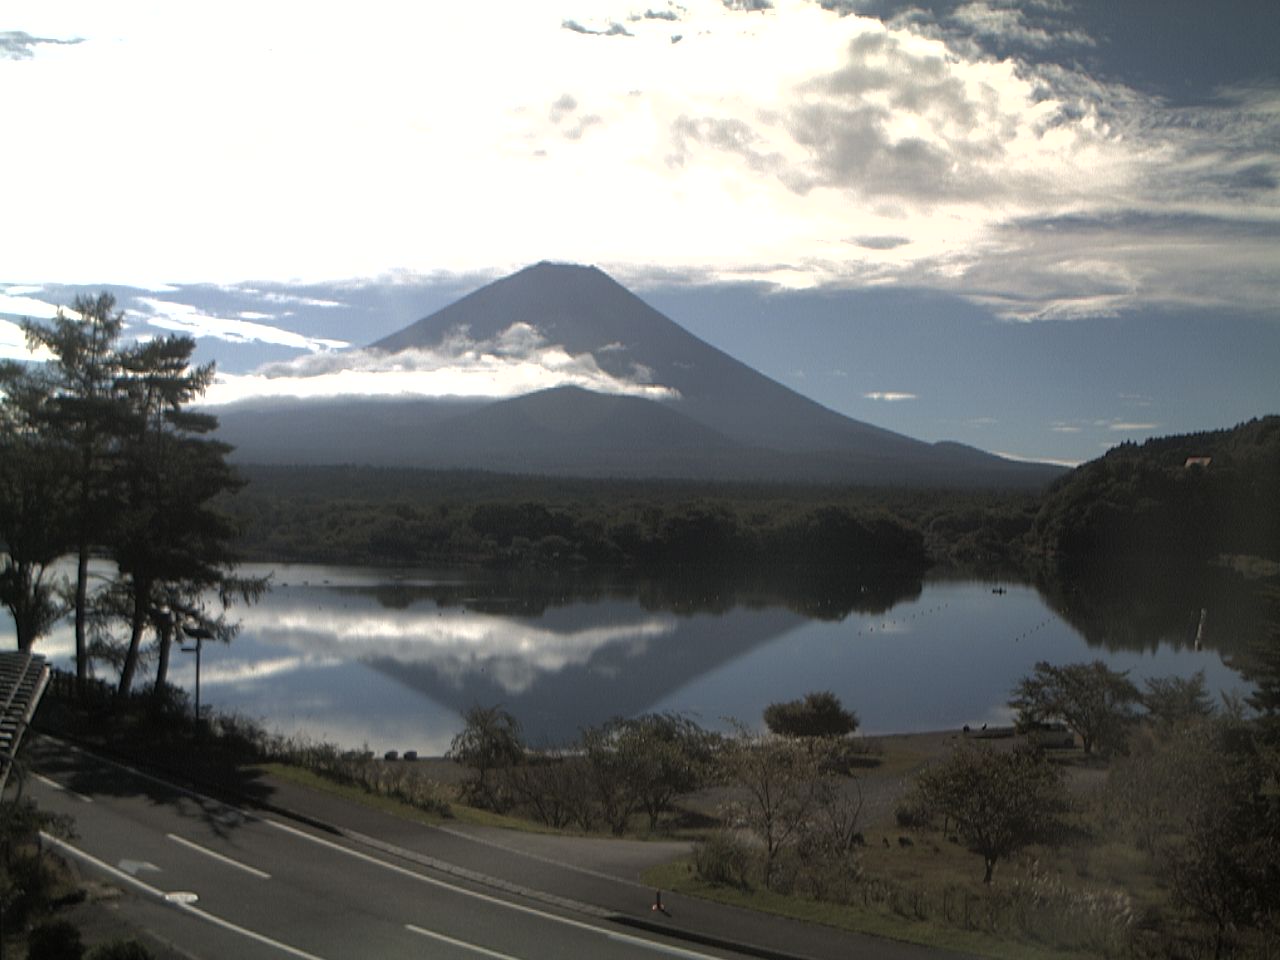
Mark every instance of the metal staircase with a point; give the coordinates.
(23, 677)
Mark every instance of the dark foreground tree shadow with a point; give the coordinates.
(140, 747)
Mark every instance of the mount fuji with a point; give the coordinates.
(637, 396)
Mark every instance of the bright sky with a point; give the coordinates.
(1019, 156)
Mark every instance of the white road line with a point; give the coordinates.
(219, 857)
(61, 789)
(176, 902)
(471, 947)
(496, 901)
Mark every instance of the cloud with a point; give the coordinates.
(1009, 25)
(1079, 266)
(889, 396)
(284, 298)
(184, 318)
(729, 135)
(1122, 426)
(614, 29)
(1020, 458)
(879, 243)
(668, 14)
(564, 105)
(520, 360)
(17, 45)
(960, 149)
(845, 7)
(13, 342)
(14, 305)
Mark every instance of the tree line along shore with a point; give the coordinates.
(1184, 500)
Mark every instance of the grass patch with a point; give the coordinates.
(458, 813)
(679, 877)
(896, 759)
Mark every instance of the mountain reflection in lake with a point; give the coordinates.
(359, 657)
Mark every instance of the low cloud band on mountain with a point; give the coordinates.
(517, 360)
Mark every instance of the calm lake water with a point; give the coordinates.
(364, 657)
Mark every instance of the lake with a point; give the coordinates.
(390, 660)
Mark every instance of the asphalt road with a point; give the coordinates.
(216, 881)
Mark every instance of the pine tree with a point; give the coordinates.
(168, 541)
(85, 414)
(34, 495)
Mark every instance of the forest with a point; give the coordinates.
(405, 517)
(1186, 499)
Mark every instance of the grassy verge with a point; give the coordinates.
(457, 812)
(680, 877)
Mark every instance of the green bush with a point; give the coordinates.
(819, 714)
(724, 858)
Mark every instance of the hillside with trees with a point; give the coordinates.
(1187, 499)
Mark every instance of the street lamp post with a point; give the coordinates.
(199, 635)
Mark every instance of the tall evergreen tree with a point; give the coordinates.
(34, 494)
(85, 413)
(168, 542)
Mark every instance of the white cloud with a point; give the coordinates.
(889, 396)
(1021, 458)
(1010, 24)
(518, 361)
(791, 145)
(13, 304)
(13, 342)
(184, 318)
(1122, 426)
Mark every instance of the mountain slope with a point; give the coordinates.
(720, 419)
(562, 431)
(586, 311)
(567, 430)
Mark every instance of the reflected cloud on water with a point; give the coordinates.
(360, 657)
(514, 653)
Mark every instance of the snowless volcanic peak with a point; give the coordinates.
(691, 410)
